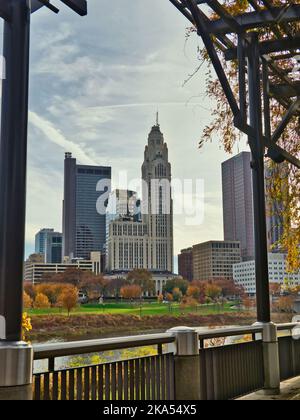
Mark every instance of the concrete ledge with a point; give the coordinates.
(290, 390)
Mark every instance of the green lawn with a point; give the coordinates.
(135, 309)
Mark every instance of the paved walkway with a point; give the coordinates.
(290, 390)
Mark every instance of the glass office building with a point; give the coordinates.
(84, 218)
(49, 244)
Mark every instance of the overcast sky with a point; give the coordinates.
(96, 84)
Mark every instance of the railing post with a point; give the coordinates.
(187, 364)
(271, 359)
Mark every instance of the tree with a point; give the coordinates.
(193, 292)
(68, 299)
(201, 285)
(41, 301)
(114, 286)
(275, 289)
(94, 286)
(27, 301)
(51, 290)
(29, 288)
(177, 294)
(181, 284)
(248, 303)
(213, 291)
(222, 127)
(131, 291)
(228, 287)
(160, 298)
(142, 278)
(286, 304)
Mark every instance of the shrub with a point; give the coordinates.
(41, 301)
(27, 301)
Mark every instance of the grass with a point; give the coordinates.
(135, 309)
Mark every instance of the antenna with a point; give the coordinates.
(157, 119)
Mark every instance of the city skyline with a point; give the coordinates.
(103, 122)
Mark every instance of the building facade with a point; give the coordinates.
(122, 204)
(238, 216)
(128, 246)
(84, 214)
(274, 208)
(244, 273)
(145, 239)
(157, 204)
(49, 244)
(215, 260)
(35, 270)
(185, 264)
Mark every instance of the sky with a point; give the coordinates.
(96, 84)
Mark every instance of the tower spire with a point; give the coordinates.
(157, 119)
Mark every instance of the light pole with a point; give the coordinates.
(15, 356)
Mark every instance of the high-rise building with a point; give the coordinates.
(157, 204)
(185, 264)
(274, 207)
(146, 242)
(238, 215)
(84, 218)
(49, 244)
(244, 273)
(122, 204)
(215, 259)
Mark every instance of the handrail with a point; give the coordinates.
(228, 332)
(236, 331)
(53, 350)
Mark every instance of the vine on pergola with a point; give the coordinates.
(283, 180)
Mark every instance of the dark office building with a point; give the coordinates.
(185, 264)
(84, 223)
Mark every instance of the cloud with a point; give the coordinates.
(96, 84)
(54, 135)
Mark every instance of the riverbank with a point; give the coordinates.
(83, 327)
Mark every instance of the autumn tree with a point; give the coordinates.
(285, 304)
(114, 286)
(177, 294)
(142, 278)
(132, 291)
(41, 301)
(201, 286)
(193, 292)
(68, 299)
(29, 288)
(27, 301)
(228, 287)
(213, 291)
(94, 285)
(175, 283)
(275, 289)
(283, 189)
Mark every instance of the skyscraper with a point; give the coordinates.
(238, 213)
(157, 202)
(84, 225)
(274, 208)
(146, 242)
(49, 244)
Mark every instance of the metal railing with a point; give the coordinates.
(226, 371)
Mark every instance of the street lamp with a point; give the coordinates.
(15, 356)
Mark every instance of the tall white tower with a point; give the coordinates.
(157, 202)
